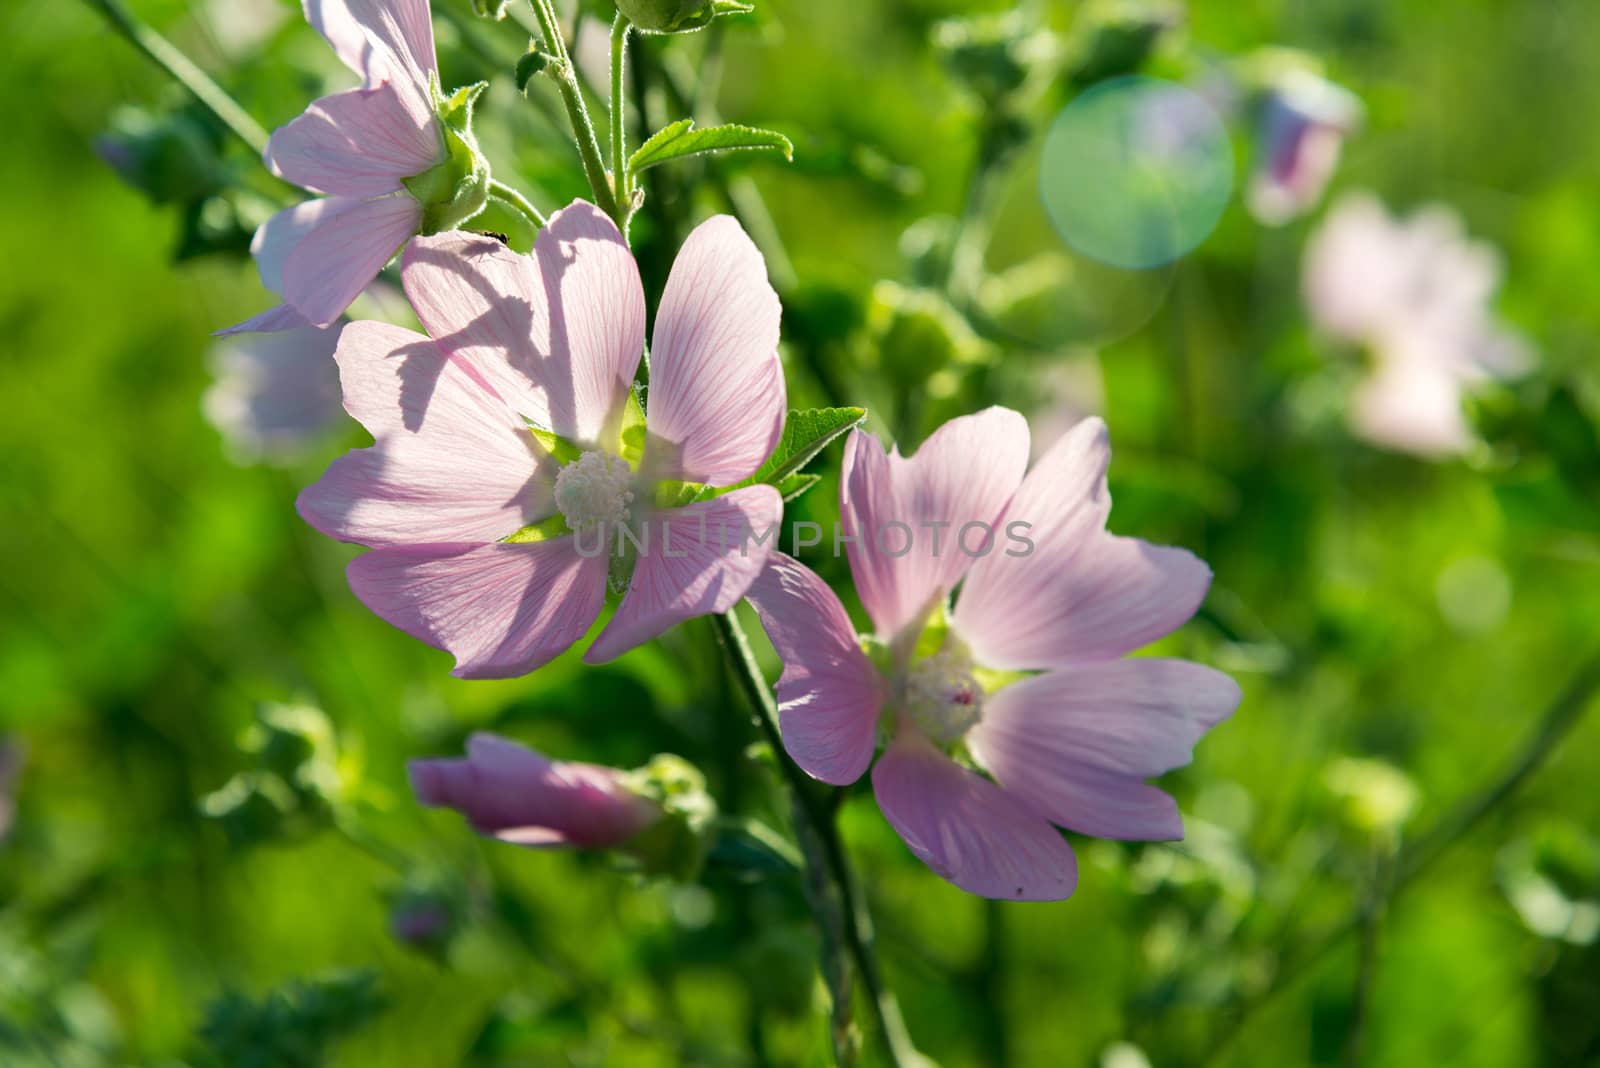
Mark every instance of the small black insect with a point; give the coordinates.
(502, 238)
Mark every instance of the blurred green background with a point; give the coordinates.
(1399, 626)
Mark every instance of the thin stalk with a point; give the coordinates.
(507, 195)
(183, 70)
(566, 79)
(619, 109)
(820, 841)
(1556, 723)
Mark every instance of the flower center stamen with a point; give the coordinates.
(942, 696)
(594, 490)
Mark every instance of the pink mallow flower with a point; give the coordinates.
(509, 458)
(512, 793)
(1017, 711)
(1304, 122)
(1416, 294)
(274, 394)
(392, 159)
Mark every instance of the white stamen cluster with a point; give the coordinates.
(594, 489)
(942, 697)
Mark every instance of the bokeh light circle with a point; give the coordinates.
(1136, 172)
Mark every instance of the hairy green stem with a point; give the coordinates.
(822, 846)
(1556, 723)
(619, 110)
(509, 196)
(166, 55)
(566, 79)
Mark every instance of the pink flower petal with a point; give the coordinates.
(502, 609)
(1112, 596)
(969, 830)
(558, 335)
(359, 143)
(276, 393)
(716, 385)
(347, 246)
(450, 464)
(1076, 743)
(375, 38)
(701, 558)
(829, 694)
(276, 238)
(1135, 716)
(908, 512)
(271, 321)
(1080, 593)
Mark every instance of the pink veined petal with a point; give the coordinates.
(271, 321)
(908, 513)
(450, 462)
(1135, 716)
(501, 609)
(829, 695)
(276, 238)
(558, 335)
(1114, 595)
(346, 248)
(717, 397)
(358, 143)
(1012, 607)
(701, 558)
(1076, 743)
(375, 37)
(969, 830)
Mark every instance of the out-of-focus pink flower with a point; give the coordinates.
(363, 149)
(1304, 122)
(274, 394)
(517, 795)
(449, 495)
(1416, 293)
(1030, 678)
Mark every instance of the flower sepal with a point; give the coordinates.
(676, 845)
(678, 16)
(458, 188)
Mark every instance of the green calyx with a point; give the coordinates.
(458, 188)
(676, 844)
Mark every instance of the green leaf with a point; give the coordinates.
(559, 448)
(551, 526)
(529, 65)
(632, 436)
(804, 435)
(680, 139)
(795, 485)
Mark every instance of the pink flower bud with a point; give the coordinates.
(517, 795)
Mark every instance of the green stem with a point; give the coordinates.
(165, 54)
(594, 167)
(510, 197)
(619, 109)
(1556, 723)
(820, 830)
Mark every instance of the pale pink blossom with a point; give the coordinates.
(1416, 293)
(1025, 714)
(274, 394)
(1304, 121)
(487, 543)
(520, 796)
(357, 148)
